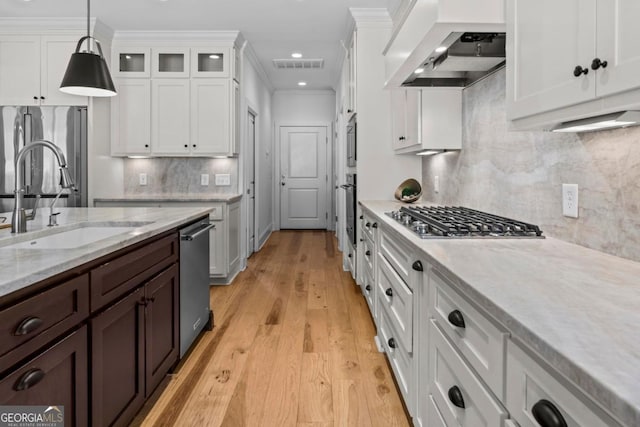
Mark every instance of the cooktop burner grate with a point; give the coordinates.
(460, 222)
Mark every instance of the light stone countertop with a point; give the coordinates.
(23, 267)
(576, 307)
(226, 198)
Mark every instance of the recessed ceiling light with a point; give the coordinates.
(419, 70)
(302, 83)
(441, 49)
(296, 55)
(214, 56)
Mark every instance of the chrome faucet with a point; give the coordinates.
(20, 217)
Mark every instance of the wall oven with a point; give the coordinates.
(351, 205)
(351, 141)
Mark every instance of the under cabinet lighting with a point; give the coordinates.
(419, 70)
(429, 152)
(214, 56)
(441, 49)
(607, 121)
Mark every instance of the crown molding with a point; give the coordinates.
(370, 17)
(53, 26)
(226, 37)
(251, 56)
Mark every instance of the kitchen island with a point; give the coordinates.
(565, 319)
(89, 310)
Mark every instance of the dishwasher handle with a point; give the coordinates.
(203, 229)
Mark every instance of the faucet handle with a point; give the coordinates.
(32, 215)
(53, 219)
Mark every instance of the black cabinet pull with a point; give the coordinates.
(349, 255)
(455, 396)
(368, 288)
(186, 146)
(29, 379)
(375, 225)
(35, 98)
(361, 216)
(146, 145)
(456, 319)
(368, 253)
(417, 266)
(547, 415)
(579, 70)
(597, 63)
(194, 145)
(28, 325)
(349, 111)
(389, 292)
(42, 97)
(362, 240)
(368, 225)
(392, 343)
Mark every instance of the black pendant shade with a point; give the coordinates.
(87, 75)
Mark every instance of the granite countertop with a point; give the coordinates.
(227, 198)
(23, 267)
(576, 307)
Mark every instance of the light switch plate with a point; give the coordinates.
(143, 179)
(570, 200)
(204, 179)
(223, 179)
(436, 184)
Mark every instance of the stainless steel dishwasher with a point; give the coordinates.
(195, 311)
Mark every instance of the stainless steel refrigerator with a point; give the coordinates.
(64, 126)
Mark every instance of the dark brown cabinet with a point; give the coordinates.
(56, 377)
(134, 344)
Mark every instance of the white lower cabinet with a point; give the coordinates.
(435, 417)
(399, 357)
(459, 395)
(533, 391)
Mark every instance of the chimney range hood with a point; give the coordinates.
(460, 60)
(454, 42)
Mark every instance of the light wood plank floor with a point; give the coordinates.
(292, 346)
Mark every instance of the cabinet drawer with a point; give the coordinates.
(481, 342)
(451, 376)
(399, 254)
(118, 276)
(368, 254)
(368, 290)
(399, 358)
(528, 384)
(434, 417)
(397, 299)
(32, 323)
(58, 376)
(369, 226)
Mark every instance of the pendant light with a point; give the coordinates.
(87, 73)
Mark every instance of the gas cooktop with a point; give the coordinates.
(460, 222)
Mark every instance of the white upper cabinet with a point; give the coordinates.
(211, 62)
(426, 119)
(131, 117)
(131, 62)
(32, 68)
(210, 117)
(169, 63)
(570, 59)
(169, 117)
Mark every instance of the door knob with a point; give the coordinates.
(282, 183)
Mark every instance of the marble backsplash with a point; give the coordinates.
(178, 175)
(520, 174)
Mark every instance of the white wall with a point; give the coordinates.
(298, 107)
(257, 96)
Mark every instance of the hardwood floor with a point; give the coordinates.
(292, 346)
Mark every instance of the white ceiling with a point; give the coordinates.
(274, 28)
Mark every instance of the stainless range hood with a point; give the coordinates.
(460, 60)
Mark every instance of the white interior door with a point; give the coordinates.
(303, 177)
(251, 181)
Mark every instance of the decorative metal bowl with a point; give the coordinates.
(409, 191)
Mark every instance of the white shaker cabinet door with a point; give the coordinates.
(210, 116)
(56, 53)
(131, 117)
(618, 34)
(547, 40)
(20, 70)
(170, 116)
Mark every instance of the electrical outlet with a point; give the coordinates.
(570, 200)
(223, 179)
(204, 179)
(436, 184)
(143, 179)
